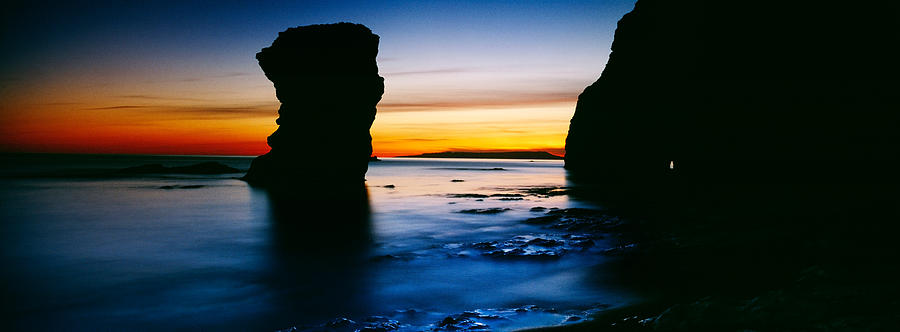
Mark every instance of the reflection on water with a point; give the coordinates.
(319, 255)
(121, 253)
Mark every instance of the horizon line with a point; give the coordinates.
(255, 155)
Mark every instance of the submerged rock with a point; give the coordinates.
(467, 196)
(497, 319)
(466, 321)
(545, 192)
(207, 168)
(485, 211)
(187, 186)
(340, 323)
(578, 220)
(327, 81)
(499, 196)
(541, 246)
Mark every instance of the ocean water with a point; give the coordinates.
(203, 252)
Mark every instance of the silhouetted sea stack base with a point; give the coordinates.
(741, 90)
(326, 78)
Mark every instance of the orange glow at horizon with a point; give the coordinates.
(534, 128)
(176, 131)
(137, 124)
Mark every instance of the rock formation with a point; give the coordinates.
(326, 78)
(743, 89)
(754, 141)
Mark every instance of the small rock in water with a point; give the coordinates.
(340, 323)
(577, 219)
(459, 323)
(457, 180)
(485, 245)
(521, 253)
(584, 244)
(479, 315)
(544, 242)
(380, 324)
(389, 186)
(485, 211)
(545, 192)
(542, 246)
(188, 186)
(467, 196)
(507, 195)
(542, 220)
(538, 209)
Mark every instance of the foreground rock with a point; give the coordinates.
(327, 81)
(497, 319)
(530, 247)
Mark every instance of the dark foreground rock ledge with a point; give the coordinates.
(326, 78)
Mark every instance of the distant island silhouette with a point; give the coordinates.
(488, 155)
(200, 168)
(326, 78)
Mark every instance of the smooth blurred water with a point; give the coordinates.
(120, 253)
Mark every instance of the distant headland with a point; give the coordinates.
(489, 155)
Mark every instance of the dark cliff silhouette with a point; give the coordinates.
(742, 88)
(754, 145)
(326, 78)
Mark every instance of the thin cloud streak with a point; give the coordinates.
(153, 97)
(212, 77)
(210, 113)
(415, 140)
(427, 72)
(169, 113)
(507, 101)
(118, 107)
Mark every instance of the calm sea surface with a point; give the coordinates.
(123, 253)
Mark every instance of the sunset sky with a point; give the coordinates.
(181, 77)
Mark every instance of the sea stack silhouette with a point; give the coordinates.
(746, 91)
(326, 78)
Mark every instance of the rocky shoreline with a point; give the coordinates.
(550, 235)
(804, 259)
